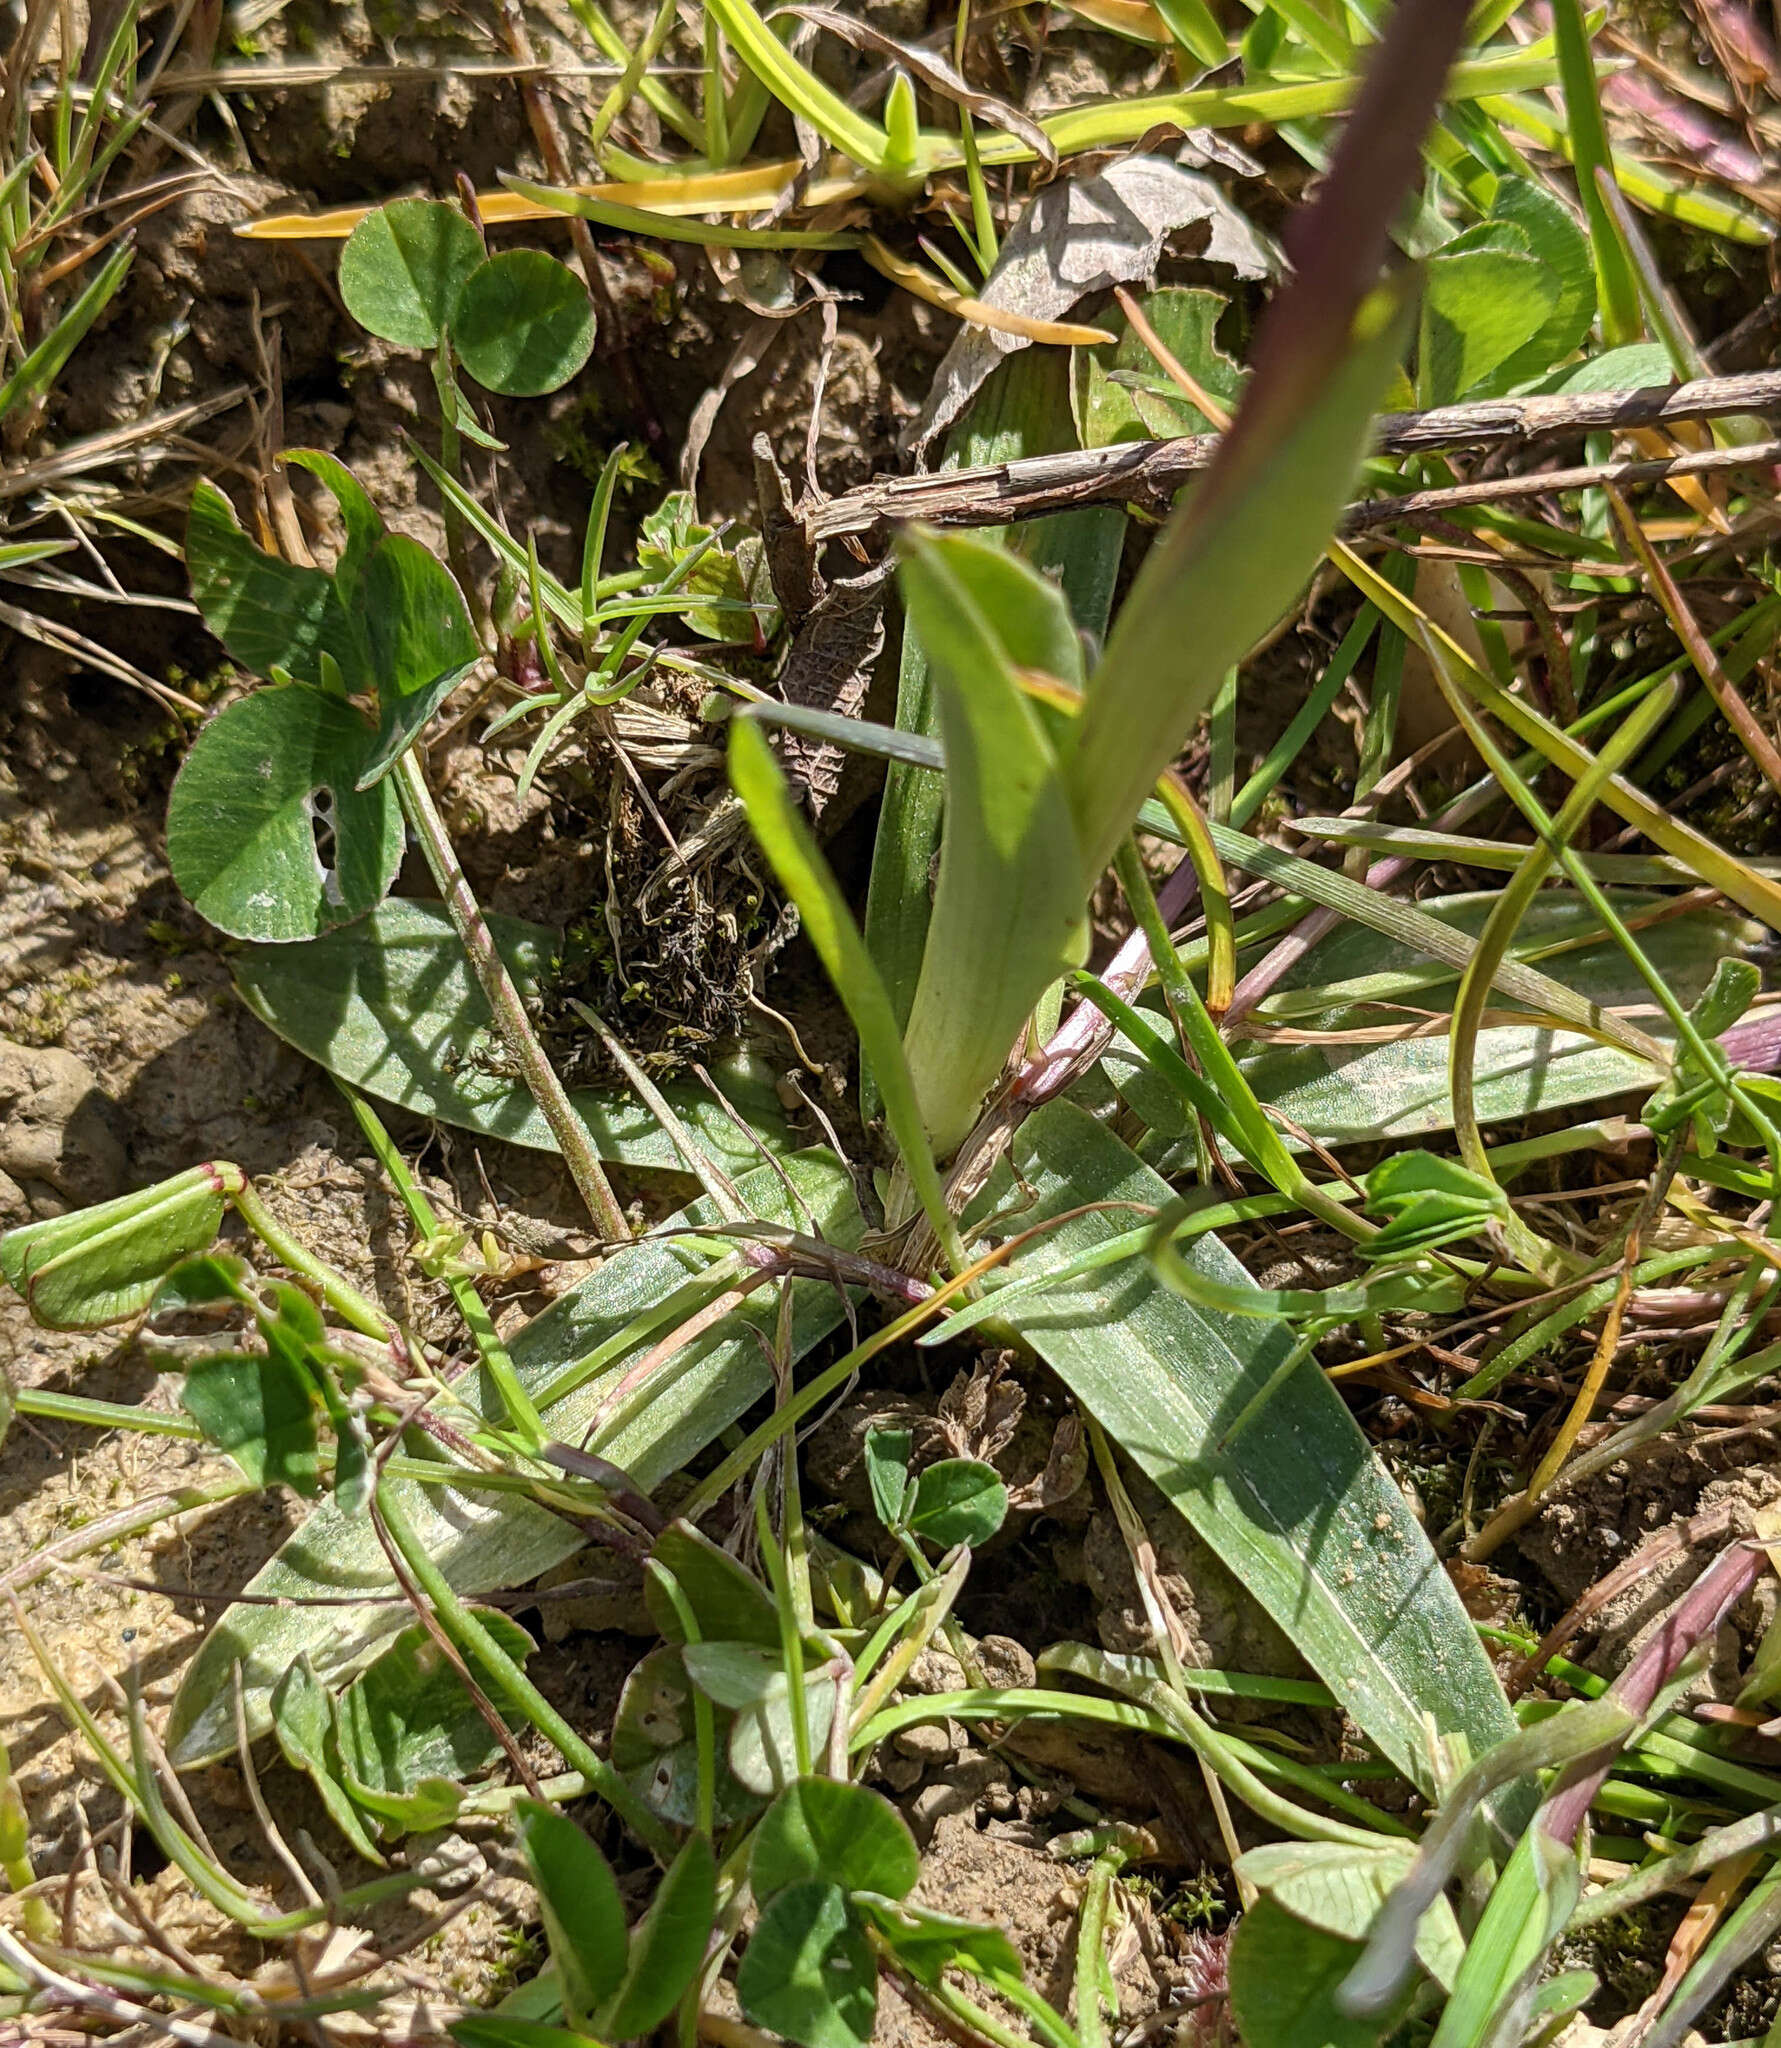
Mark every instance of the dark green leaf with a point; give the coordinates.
(489, 2030)
(1284, 1975)
(809, 1973)
(262, 1412)
(726, 1599)
(929, 1943)
(100, 1265)
(887, 1470)
(269, 613)
(303, 1720)
(403, 267)
(841, 1833)
(584, 1919)
(957, 1500)
(261, 779)
(667, 1944)
(201, 1282)
(360, 517)
(390, 1004)
(523, 323)
(408, 1717)
(420, 644)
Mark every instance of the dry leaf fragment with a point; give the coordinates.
(1079, 236)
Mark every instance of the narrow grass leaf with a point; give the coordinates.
(831, 929)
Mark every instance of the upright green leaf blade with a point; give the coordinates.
(1301, 1511)
(1228, 565)
(1008, 909)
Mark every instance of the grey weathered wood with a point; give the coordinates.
(1149, 473)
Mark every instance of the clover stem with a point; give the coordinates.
(509, 1013)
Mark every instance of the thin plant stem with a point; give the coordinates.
(470, 1635)
(504, 1002)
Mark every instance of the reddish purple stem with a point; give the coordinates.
(1694, 1619)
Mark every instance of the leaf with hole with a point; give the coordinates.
(408, 1717)
(260, 1411)
(584, 1918)
(842, 1833)
(269, 786)
(522, 323)
(403, 267)
(958, 1500)
(390, 1004)
(420, 644)
(808, 1972)
(655, 1745)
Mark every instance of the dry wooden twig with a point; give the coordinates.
(1149, 473)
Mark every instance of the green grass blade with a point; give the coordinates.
(829, 924)
(1617, 287)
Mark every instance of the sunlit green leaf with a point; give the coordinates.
(269, 783)
(522, 323)
(808, 1972)
(843, 1834)
(403, 267)
(584, 1918)
(100, 1265)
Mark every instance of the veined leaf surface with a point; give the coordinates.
(483, 1541)
(1297, 1507)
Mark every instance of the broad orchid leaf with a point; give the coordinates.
(390, 1005)
(1297, 1507)
(484, 1542)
